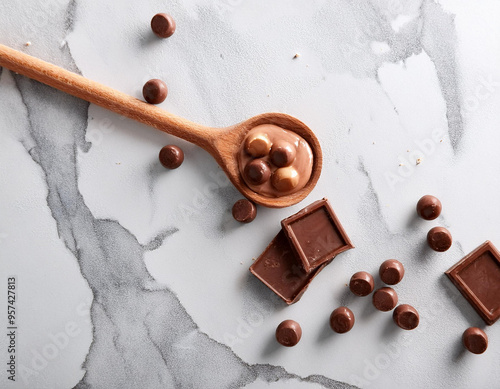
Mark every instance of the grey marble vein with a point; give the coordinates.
(142, 337)
(363, 22)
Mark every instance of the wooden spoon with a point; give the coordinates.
(222, 143)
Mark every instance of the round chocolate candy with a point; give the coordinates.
(361, 283)
(285, 179)
(439, 239)
(385, 299)
(163, 25)
(391, 271)
(257, 171)
(282, 153)
(475, 340)
(288, 333)
(244, 211)
(171, 156)
(406, 317)
(342, 320)
(155, 91)
(429, 207)
(258, 145)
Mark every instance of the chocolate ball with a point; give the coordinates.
(282, 153)
(258, 145)
(361, 283)
(385, 299)
(163, 25)
(257, 171)
(285, 179)
(475, 340)
(342, 320)
(406, 317)
(439, 239)
(429, 207)
(244, 211)
(155, 91)
(391, 271)
(171, 156)
(288, 333)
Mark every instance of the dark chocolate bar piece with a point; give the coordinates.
(477, 277)
(316, 235)
(279, 268)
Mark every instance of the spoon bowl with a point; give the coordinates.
(226, 147)
(223, 144)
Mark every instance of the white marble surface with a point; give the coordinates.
(130, 276)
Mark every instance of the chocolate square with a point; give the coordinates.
(316, 235)
(477, 277)
(279, 268)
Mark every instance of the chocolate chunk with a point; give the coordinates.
(429, 207)
(171, 156)
(342, 320)
(257, 171)
(316, 234)
(385, 299)
(406, 317)
(288, 333)
(258, 145)
(279, 268)
(475, 340)
(163, 25)
(439, 239)
(361, 283)
(282, 153)
(155, 91)
(477, 277)
(285, 179)
(391, 271)
(244, 211)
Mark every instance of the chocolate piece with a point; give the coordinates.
(155, 91)
(244, 211)
(361, 283)
(477, 277)
(406, 317)
(316, 234)
(439, 239)
(385, 299)
(258, 145)
(257, 171)
(475, 340)
(282, 153)
(163, 25)
(342, 320)
(285, 179)
(391, 271)
(171, 156)
(279, 268)
(288, 333)
(429, 207)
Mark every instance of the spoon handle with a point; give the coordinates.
(105, 97)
